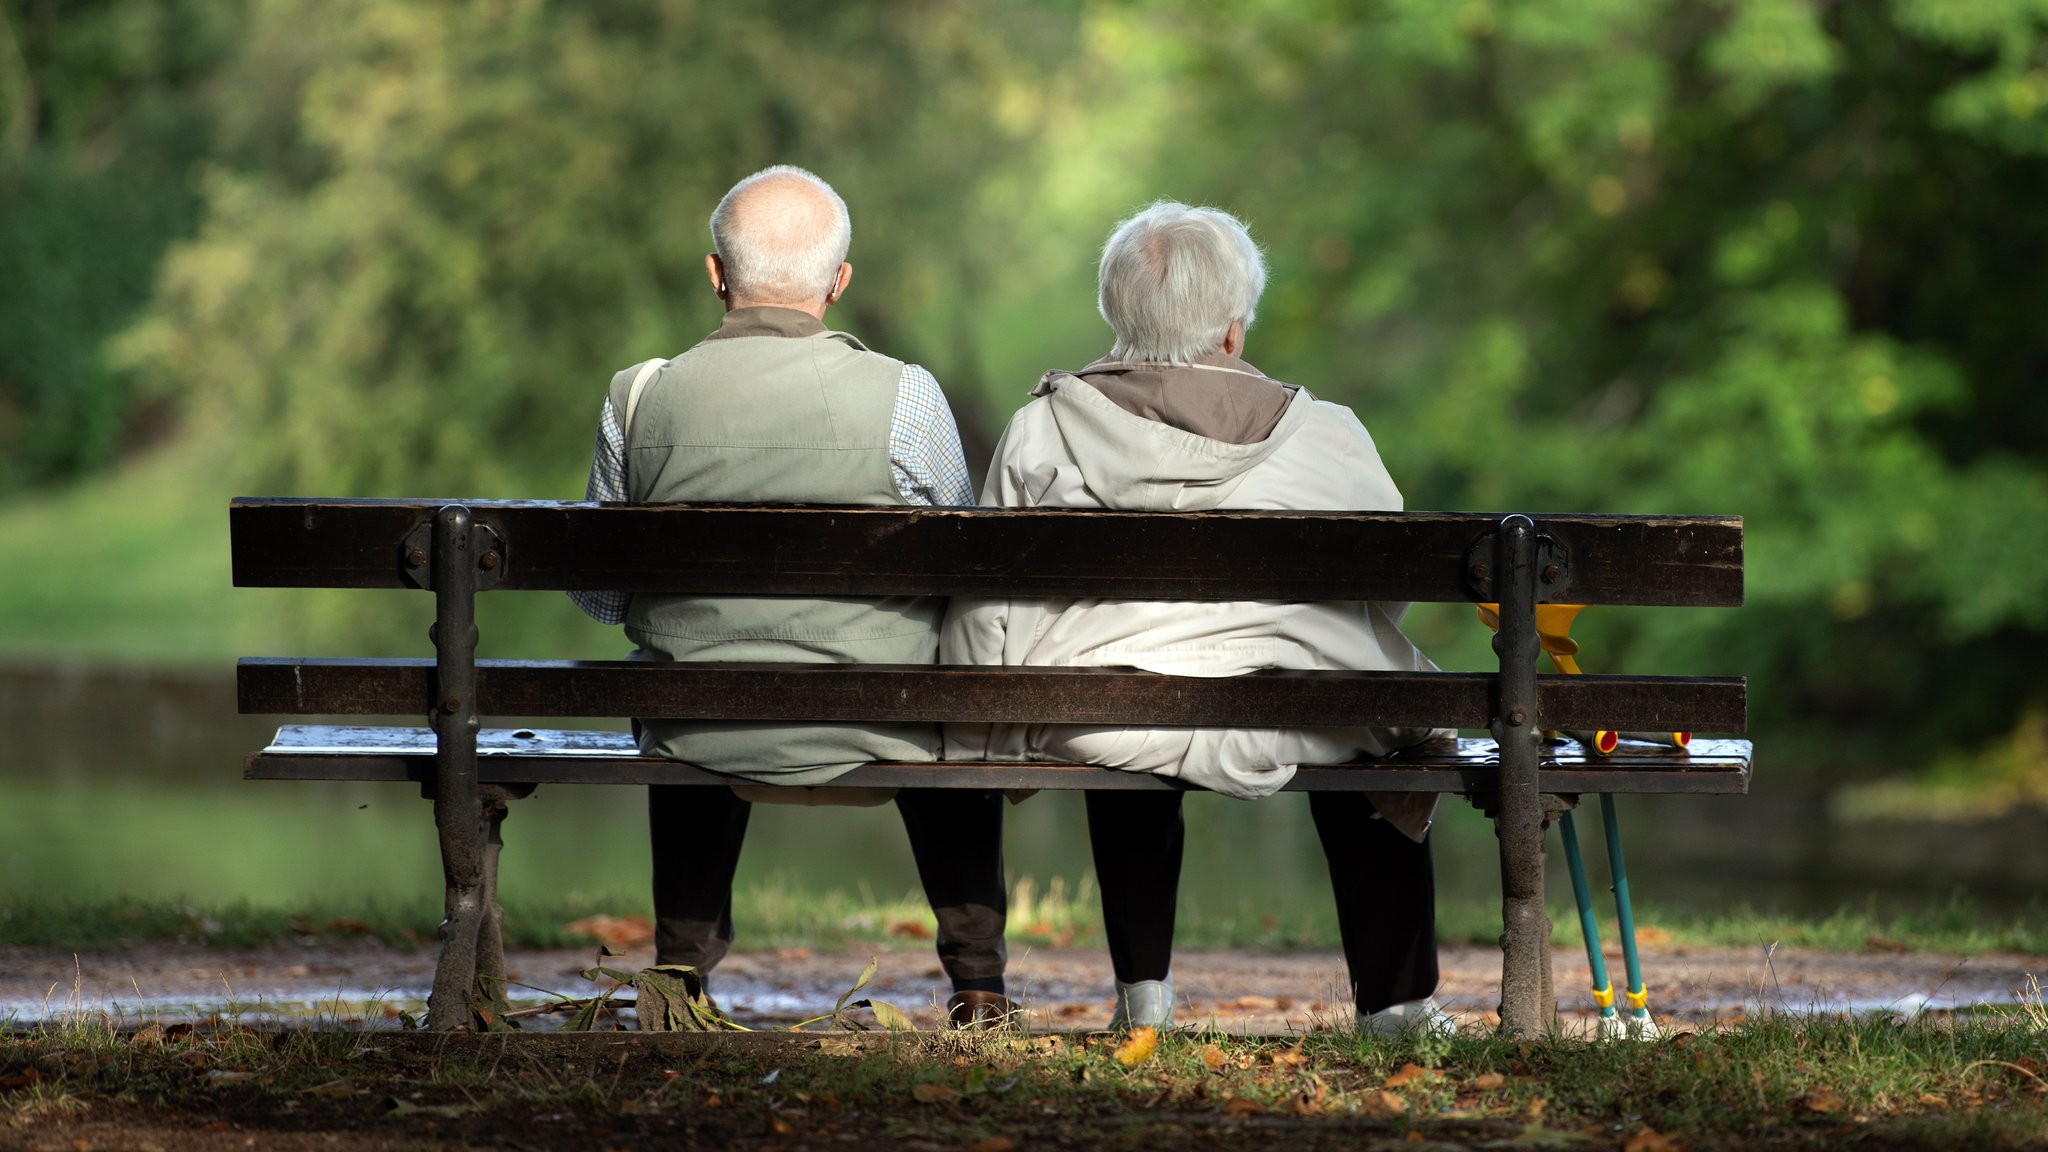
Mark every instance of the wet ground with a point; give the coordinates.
(1239, 991)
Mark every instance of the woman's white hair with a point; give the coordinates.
(780, 247)
(1174, 278)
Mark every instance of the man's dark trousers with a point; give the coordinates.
(956, 837)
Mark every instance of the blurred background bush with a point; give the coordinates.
(1786, 259)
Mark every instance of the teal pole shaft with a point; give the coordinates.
(1589, 925)
(1624, 914)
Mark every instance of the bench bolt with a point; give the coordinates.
(1552, 573)
(1481, 572)
(488, 560)
(416, 558)
(452, 704)
(1517, 717)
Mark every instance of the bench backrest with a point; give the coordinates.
(782, 550)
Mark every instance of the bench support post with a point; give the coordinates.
(458, 805)
(1525, 959)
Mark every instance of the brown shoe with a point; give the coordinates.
(979, 1011)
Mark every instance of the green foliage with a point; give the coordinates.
(1768, 257)
(102, 111)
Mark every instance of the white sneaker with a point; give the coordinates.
(1144, 1004)
(1619, 1027)
(1424, 1017)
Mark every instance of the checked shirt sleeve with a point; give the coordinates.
(924, 444)
(608, 484)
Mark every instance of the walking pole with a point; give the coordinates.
(1611, 1025)
(1638, 1025)
(1553, 628)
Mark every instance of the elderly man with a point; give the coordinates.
(774, 406)
(1174, 419)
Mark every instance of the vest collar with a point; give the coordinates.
(768, 320)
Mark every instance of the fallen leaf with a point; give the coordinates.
(1648, 936)
(333, 1088)
(1932, 1101)
(1876, 943)
(1139, 1048)
(348, 926)
(613, 931)
(1409, 1074)
(929, 1093)
(1486, 1082)
(1241, 1106)
(1822, 1100)
(779, 1126)
(1651, 1140)
(1382, 1105)
(154, 1034)
(913, 929)
(1288, 1057)
(992, 1144)
(1213, 1058)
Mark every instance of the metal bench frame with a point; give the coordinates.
(458, 549)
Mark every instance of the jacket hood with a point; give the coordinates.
(1141, 464)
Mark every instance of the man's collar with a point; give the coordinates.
(767, 320)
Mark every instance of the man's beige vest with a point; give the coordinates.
(773, 408)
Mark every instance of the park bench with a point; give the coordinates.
(456, 550)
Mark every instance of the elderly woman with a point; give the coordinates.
(1174, 419)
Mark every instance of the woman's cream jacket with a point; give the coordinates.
(1072, 447)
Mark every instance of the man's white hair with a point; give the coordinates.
(785, 249)
(1174, 278)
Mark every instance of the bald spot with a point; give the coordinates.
(784, 214)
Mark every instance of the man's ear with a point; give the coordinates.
(1233, 338)
(839, 283)
(715, 269)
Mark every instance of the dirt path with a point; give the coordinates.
(1063, 988)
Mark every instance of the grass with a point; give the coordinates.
(1968, 1081)
(776, 914)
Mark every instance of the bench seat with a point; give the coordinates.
(548, 756)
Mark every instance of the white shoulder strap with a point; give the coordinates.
(647, 372)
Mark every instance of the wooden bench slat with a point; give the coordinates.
(751, 550)
(509, 756)
(878, 693)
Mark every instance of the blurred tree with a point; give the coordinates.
(1764, 256)
(437, 235)
(1771, 257)
(102, 114)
